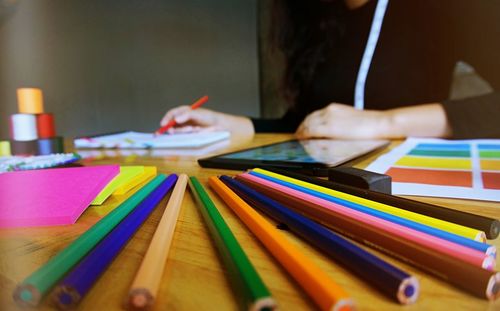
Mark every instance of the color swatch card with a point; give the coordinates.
(468, 169)
(50, 197)
(149, 140)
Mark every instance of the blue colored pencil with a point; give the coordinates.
(80, 279)
(483, 247)
(392, 281)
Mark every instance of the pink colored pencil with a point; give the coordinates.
(456, 250)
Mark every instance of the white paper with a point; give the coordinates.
(136, 140)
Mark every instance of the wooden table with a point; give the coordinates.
(195, 278)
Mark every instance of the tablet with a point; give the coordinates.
(310, 156)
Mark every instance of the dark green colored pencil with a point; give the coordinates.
(247, 284)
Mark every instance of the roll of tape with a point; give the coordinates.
(45, 125)
(50, 145)
(5, 148)
(30, 100)
(23, 127)
(28, 147)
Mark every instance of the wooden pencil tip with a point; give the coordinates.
(408, 290)
(264, 304)
(345, 304)
(493, 287)
(26, 295)
(66, 297)
(139, 299)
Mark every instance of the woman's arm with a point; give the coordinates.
(344, 122)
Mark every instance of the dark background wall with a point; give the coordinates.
(112, 65)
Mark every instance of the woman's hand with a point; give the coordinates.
(201, 119)
(344, 122)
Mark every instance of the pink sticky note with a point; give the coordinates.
(51, 196)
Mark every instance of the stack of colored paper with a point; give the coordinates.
(128, 178)
(51, 196)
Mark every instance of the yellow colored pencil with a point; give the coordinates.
(464, 231)
(322, 289)
(147, 281)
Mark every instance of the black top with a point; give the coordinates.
(419, 45)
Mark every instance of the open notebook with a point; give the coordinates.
(149, 140)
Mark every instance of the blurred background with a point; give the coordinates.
(110, 65)
(120, 64)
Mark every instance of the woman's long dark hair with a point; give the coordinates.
(304, 30)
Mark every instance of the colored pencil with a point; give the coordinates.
(443, 246)
(37, 285)
(325, 194)
(473, 279)
(73, 288)
(172, 122)
(322, 289)
(380, 207)
(383, 276)
(490, 226)
(247, 283)
(143, 291)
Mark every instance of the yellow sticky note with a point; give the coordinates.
(148, 173)
(127, 174)
(4, 148)
(490, 165)
(425, 162)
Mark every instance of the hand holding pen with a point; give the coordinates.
(189, 118)
(166, 125)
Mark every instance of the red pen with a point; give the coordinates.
(172, 122)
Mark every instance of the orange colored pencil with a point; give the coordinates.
(322, 289)
(147, 281)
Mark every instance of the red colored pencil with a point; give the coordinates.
(172, 122)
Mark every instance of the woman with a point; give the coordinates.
(408, 81)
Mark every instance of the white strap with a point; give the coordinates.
(378, 18)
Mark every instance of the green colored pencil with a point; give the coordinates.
(247, 283)
(37, 285)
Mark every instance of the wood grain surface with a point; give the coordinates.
(194, 278)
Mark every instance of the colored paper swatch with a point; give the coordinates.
(50, 197)
(126, 176)
(490, 165)
(433, 177)
(491, 180)
(430, 162)
(149, 172)
(489, 147)
(467, 169)
(440, 153)
(446, 145)
(486, 154)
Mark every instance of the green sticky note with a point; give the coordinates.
(127, 174)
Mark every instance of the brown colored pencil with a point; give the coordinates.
(147, 281)
(477, 281)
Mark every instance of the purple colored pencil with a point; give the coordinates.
(70, 291)
(385, 277)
